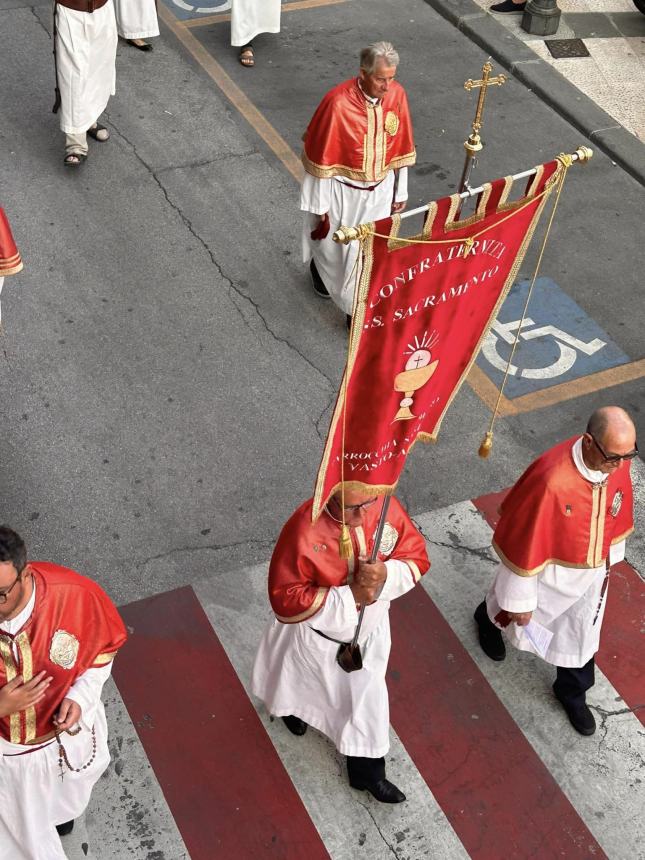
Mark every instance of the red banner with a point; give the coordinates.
(421, 311)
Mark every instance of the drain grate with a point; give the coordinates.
(563, 49)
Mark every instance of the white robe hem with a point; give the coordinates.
(343, 748)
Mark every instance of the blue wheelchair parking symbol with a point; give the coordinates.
(558, 342)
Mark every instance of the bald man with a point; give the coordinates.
(562, 526)
(315, 596)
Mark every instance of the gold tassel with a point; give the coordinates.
(345, 542)
(486, 445)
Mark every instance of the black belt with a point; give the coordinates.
(357, 188)
(331, 638)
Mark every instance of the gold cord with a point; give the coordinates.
(487, 443)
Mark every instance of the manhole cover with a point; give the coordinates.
(562, 49)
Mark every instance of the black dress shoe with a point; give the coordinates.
(508, 6)
(66, 828)
(295, 725)
(317, 282)
(580, 717)
(382, 790)
(146, 46)
(490, 639)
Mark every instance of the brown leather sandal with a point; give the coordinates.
(96, 129)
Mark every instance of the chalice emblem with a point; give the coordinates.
(418, 370)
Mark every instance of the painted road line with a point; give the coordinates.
(234, 94)
(621, 644)
(188, 9)
(295, 6)
(224, 783)
(352, 824)
(599, 775)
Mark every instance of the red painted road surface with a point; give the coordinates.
(226, 787)
(500, 799)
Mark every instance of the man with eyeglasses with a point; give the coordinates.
(562, 526)
(315, 595)
(59, 633)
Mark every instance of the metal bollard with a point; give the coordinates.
(541, 17)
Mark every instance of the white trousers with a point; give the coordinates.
(85, 55)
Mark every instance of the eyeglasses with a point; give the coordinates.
(354, 509)
(4, 594)
(614, 458)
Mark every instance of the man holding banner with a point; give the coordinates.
(315, 594)
(357, 149)
(421, 311)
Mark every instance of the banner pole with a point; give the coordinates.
(344, 235)
(372, 559)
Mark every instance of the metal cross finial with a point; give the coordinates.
(483, 84)
(474, 143)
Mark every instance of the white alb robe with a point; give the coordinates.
(85, 56)
(295, 670)
(347, 207)
(249, 18)
(33, 798)
(136, 19)
(562, 599)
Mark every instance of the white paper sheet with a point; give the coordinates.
(540, 637)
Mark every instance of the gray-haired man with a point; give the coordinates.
(357, 149)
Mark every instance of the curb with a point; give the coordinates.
(547, 83)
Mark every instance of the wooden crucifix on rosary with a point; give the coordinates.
(474, 143)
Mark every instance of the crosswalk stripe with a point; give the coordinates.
(492, 786)
(225, 785)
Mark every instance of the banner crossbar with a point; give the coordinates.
(345, 235)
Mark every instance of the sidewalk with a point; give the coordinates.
(600, 94)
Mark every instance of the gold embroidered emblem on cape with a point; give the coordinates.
(391, 123)
(388, 539)
(63, 650)
(616, 504)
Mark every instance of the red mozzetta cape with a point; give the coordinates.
(74, 626)
(554, 516)
(349, 136)
(10, 262)
(306, 562)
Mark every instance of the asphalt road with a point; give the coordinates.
(166, 372)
